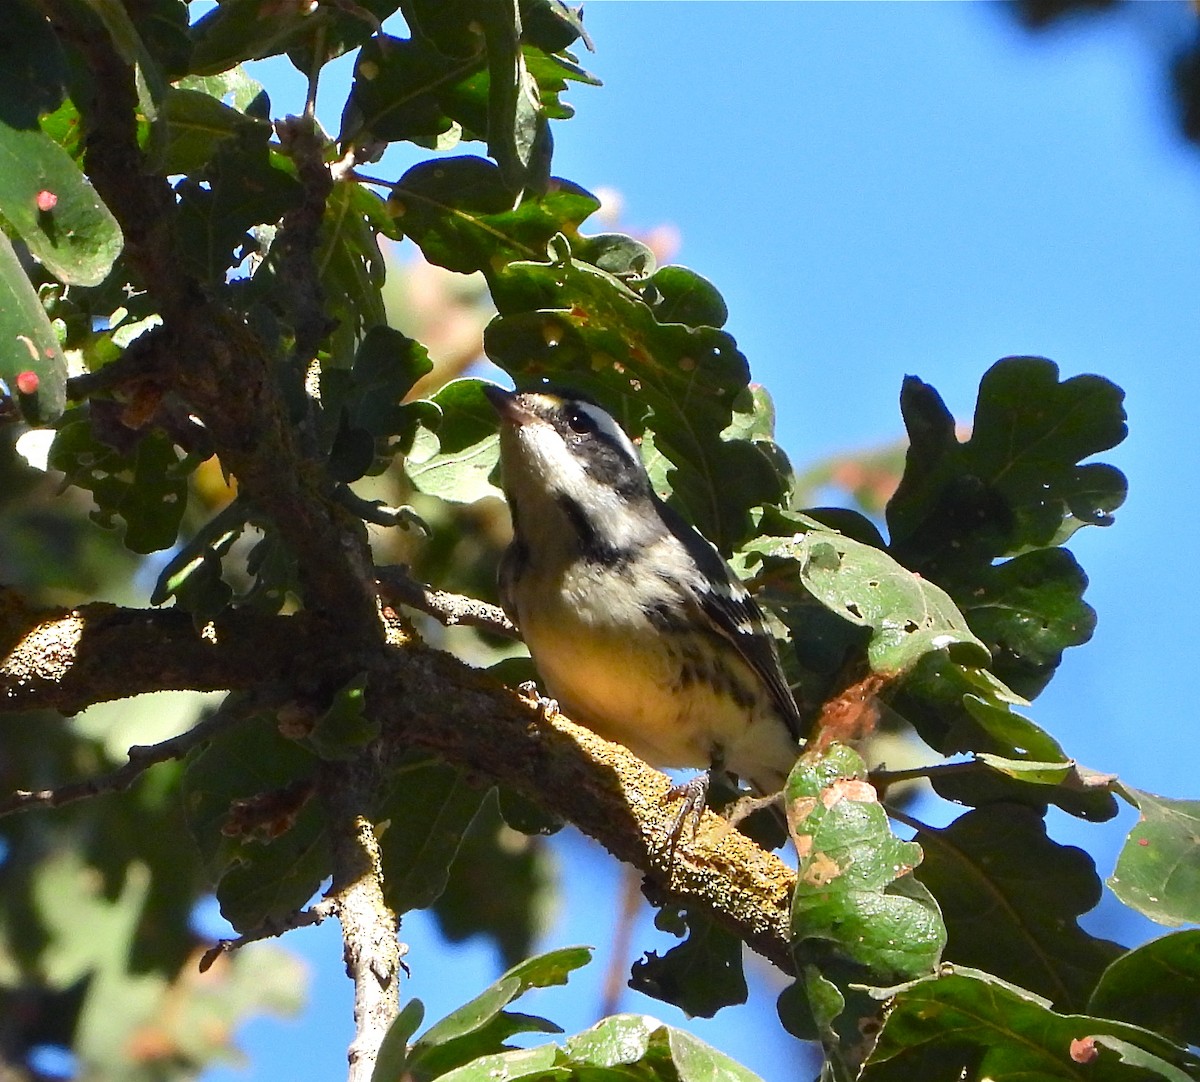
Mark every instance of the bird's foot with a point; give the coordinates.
(547, 707)
(693, 798)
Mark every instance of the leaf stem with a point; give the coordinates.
(881, 779)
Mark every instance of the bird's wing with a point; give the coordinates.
(732, 612)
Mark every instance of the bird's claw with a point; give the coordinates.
(546, 706)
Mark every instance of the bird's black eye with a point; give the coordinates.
(580, 421)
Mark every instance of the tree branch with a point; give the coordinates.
(141, 758)
(422, 698)
(208, 353)
(398, 587)
(369, 927)
(301, 918)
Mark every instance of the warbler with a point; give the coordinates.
(636, 625)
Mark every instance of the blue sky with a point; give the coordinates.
(878, 190)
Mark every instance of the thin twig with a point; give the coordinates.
(397, 586)
(141, 758)
(905, 818)
(270, 929)
(371, 949)
(377, 512)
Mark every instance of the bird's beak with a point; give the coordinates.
(507, 404)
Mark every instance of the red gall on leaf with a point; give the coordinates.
(1084, 1050)
(46, 201)
(27, 382)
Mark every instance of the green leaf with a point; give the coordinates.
(74, 236)
(999, 917)
(200, 557)
(428, 808)
(975, 1022)
(344, 730)
(244, 185)
(680, 295)
(501, 885)
(373, 421)
(854, 894)
(233, 87)
(1158, 871)
(956, 708)
(1027, 611)
(459, 463)
(274, 880)
(28, 344)
(624, 1040)
(147, 486)
(908, 617)
(582, 328)
(552, 25)
(33, 69)
(481, 1026)
(127, 40)
(1156, 985)
(162, 27)
(551, 72)
(271, 866)
(515, 116)
(404, 88)
(700, 975)
(616, 254)
(349, 261)
(1017, 482)
(393, 1052)
(539, 1063)
(463, 217)
(195, 124)
(616, 1049)
(238, 30)
(347, 26)
(807, 1008)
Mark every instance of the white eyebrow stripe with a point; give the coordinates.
(610, 428)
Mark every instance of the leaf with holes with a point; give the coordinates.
(1017, 483)
(572, 323)
(907, 616)
(1027, 610)
(147, 487)
(855, 897)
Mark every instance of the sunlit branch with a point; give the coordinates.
(397, 586)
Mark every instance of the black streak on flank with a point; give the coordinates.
(709, 670)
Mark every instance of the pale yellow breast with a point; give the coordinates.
(611, 670)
